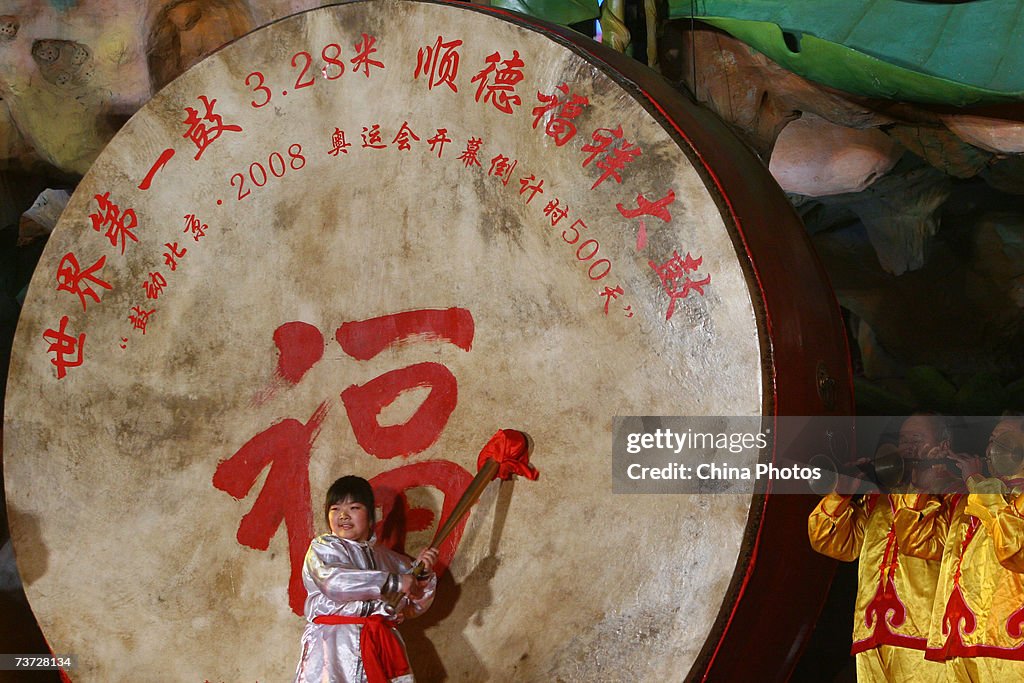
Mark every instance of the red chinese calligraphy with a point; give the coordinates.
(555, 212)
(71, 278)
(675, 269)
(119, 225)
(559, 126)
(286, 448)
(371, 137)
(501, 91)
(602, 141)
(364, 403)
(201, 134)
(439, 141)
(501, 168)
(67, 349)
(525, 187)
(439, 63)
(363, 60)
(139, 318)
(154, 286)
(173, 254)
(615, 162)
(616, 159)
(402, 138)
(469, 155)
(195, 226)
(299, 346)
(160, 162)
(365, 339)
(645, 207)
(338, 143)
(390, 490)
(610, 294)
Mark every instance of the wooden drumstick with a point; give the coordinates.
(506, 453)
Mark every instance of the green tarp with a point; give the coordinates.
(563, 12)
(959, 54)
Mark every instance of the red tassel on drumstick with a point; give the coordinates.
(507, 453)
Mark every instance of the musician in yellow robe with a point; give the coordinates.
(895, 591)
(978, 615)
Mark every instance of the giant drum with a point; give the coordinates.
(360, 240)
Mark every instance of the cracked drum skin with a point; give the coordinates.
(287, 297)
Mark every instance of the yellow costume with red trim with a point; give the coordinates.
(894, 591)
(978, 616)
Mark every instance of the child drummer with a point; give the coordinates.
(350, 634)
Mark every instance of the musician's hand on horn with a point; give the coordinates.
(968, 464)
(853, 479)
(861, 481)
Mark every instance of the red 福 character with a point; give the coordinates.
(66, 349)
(402, 139)
(500, 92)
(677, 268)
(119, 225)
(439, 141)
(70, 278)
(559, 126)
(299, 346)
(364, 339)
(364, 49)
(397, 519)
(201, 134)
(439, 63)
(469, 155)
(286, 447)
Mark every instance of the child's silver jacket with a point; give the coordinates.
(345, 578)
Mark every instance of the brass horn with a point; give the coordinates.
(886, 470)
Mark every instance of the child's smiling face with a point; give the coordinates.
(350, 520)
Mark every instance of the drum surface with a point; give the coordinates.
(360, 240)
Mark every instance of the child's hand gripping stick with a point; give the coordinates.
(507, 453)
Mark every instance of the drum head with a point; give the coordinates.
(360, 240)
